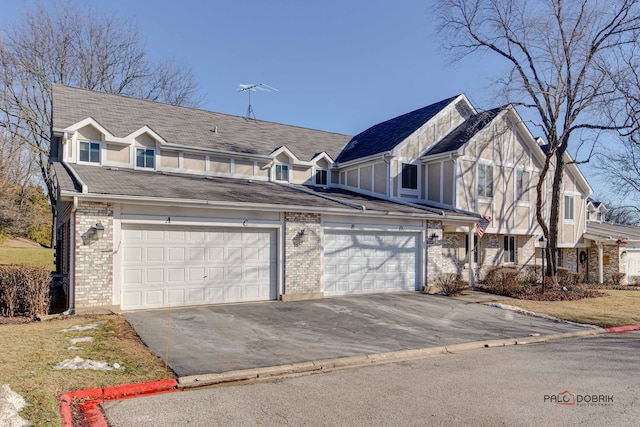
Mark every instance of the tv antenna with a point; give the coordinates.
(254, 88)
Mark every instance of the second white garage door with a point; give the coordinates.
(365, 262)
(177, 266)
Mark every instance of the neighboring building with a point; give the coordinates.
(162, 205)
(612, 248)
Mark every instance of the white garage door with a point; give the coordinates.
(171, 265)
(633, 264)
(361, 262)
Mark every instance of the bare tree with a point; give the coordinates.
(620, 168)
(59, 43)
(565, 61)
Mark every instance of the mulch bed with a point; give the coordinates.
(558, 294)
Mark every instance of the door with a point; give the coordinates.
(370, 262)
(178, 266)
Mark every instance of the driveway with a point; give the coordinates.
(222, 338)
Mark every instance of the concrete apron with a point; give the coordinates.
(257, 374)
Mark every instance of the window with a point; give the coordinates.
(90, 152)
(282, 172)
(522, 186)
(321, 177)
(409, 176)
(475, 248)
(568, 208)
(145, 158)
(485, 180)
(509, 254)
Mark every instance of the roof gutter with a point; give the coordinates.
(229, 205)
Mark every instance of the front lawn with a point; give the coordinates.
(617, 308)
(31, 350)
(27, 256)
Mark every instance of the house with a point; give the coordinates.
(616, 248)
(163, 206)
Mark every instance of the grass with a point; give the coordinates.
(618, 308)
(31, 350)
(27, 256)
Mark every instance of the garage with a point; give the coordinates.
(165, 265)
(633, 264)
(357, 262)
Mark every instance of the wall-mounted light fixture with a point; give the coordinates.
(98, 230)
(433, 239)
(300, 235)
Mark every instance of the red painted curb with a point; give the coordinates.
(91, 398)
(622, 329)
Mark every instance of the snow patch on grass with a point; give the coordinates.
(80, 328)
(80, 363)
(11, 403)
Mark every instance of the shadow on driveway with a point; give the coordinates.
(222, 338)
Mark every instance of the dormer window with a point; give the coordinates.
(409, 176)
(282, 172)
(145, 158)
(89, 152)
(321, 177)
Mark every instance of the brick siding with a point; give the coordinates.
(302, 254)
(93, 256)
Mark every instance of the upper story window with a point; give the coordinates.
(282, 172)
(522, 185)
(509, 253)
(569, 208)
(89, 152)
(409, 176)
(485, 180)
(321, 177)
(145, 158)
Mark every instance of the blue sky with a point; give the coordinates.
(338, 65)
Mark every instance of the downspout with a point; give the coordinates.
(72, 258)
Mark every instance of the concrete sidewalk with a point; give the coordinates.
(225, 338)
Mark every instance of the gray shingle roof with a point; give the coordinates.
(464, 132)
(137, 183)
(386, 135)
(612, 232)
(122, 115)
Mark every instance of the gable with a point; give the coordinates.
(463, 133)
(387, 135)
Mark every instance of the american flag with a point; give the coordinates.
(482, 225)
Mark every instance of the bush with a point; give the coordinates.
(24, 290)
(530, 274)
(567, 278)
(450, 283)
(633, 281)
(503, 281)
(615, 279)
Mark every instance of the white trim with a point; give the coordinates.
(101, 150)
(116, 285)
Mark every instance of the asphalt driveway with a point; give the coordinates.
(222, 338)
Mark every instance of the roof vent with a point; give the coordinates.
(113, 169)
(214, 129)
